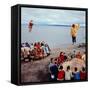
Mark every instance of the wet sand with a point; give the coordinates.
(37, 71)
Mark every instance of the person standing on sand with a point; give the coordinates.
(74, 30)
(61, 74)
(76, 74)
(30, 25)
(53, 70)
(68, 73)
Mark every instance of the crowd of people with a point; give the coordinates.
(57, 73)
(33, 51)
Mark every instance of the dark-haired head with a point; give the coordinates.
(42, 44)
(51, 59)
(75, 69)
(61, 53)
(74, 51)
(73, 25)
(68, 68)
(61, 67)
(35, 44)
(31, 43)
(83, 68)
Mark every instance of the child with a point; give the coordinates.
(76, 74)
(68, 73)
(83, 74)
(61, 74)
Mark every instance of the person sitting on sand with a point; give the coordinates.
(61, 74)
(76, 74)
(83, 74)
(68, 73)
(74, 30)
(78, 55)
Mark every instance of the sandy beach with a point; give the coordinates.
(37, 71)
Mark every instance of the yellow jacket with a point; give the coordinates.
(74, 31)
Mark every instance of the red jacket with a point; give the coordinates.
(61, 75)
(82, 75)
(61, 59)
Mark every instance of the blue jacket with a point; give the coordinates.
(77, 76)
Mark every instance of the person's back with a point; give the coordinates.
(68, 75)
(54, 71)
(76, 74)
(83, 74)
(61, 73)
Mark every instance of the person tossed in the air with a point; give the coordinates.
(30, 25)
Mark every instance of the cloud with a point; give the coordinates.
(52, 16)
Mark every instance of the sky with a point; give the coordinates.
(52, 16)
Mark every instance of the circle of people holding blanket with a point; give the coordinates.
(34, 51)
(59, 72)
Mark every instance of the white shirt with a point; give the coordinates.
(68, 75)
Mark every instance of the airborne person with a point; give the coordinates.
(30, 25)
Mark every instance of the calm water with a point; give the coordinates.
(53, 35)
